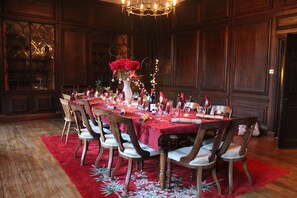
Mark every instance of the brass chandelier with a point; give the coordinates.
(149, 7)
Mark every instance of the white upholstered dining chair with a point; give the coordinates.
(68, 118)
(221, 110)
(231, 152)
(107, 139)
(84, 131)
(132, 151)
(91, 118)
(196, 157)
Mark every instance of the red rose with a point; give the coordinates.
(132, 65)
(117, 65)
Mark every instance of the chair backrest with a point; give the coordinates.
(88, 110)
(66, 96)
(219, 128)
(100, 114)
(223, 110)
(81, 120)
(117, 121)
(250, 123)
(192, 105)
(66, 108)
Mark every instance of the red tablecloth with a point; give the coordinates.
(148, 132)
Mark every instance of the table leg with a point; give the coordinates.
(163, 157)
(163, 148)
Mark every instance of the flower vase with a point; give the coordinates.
(128, 91)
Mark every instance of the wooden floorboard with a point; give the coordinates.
(27, 169)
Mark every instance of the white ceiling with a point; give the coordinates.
(120, 1)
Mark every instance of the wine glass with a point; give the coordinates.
(187, 109)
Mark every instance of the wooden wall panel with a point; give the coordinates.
(41, 8)
(142, 48)
(251, 57)
(215, 9)
(214, 59)
(289, 2)
(108, 17)
(286, 21)
(247, 108)
(74, 61)
(18, 104)
(74, 13)
(243, 7)
(44, 103)
(165, 57)
(187, 14)
(186, 59)
(1, 112)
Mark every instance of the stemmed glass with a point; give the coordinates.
(187, 110)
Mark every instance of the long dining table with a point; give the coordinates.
(156, 130)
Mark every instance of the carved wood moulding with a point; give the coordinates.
(243, 7)
(41, 8)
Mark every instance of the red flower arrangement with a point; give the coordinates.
(124, 69)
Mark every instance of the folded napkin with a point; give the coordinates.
(94, 102)
(145, 117)
(202, 115)
(186, 120)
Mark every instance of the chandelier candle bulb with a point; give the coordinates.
(148, 7)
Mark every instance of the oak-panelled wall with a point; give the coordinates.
(250, 63)
(250, 57)
(74, 56)
(214, 60)
(186, 59)
(220, 48)
(45, 9)
(236, 50)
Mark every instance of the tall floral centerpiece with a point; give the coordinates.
(124, 70)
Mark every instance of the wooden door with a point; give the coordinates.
(288, 119)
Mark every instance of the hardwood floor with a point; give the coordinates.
(27, 169)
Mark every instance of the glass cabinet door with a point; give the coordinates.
(28, 56)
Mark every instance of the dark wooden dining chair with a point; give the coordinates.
(231, 152)
(66, 96)
(132, 151)
(68, 117)
(221, 110)
(196, 157)
(216, 110)
(107, 140)
(91, 117)
(84, 130)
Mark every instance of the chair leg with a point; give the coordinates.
(99, 156)
(139, 165)
(247, 172)
(86, 145)
(199, 182)
(214, 176)
(192, 171)
(230, 176)
(169, 172)
(64, 127)
(68, 128)
(110, 159)
(77, 147)
(128, 176)
(116, 167)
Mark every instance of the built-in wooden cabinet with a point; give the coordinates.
(28, 55)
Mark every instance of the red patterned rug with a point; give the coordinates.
(93, 182)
